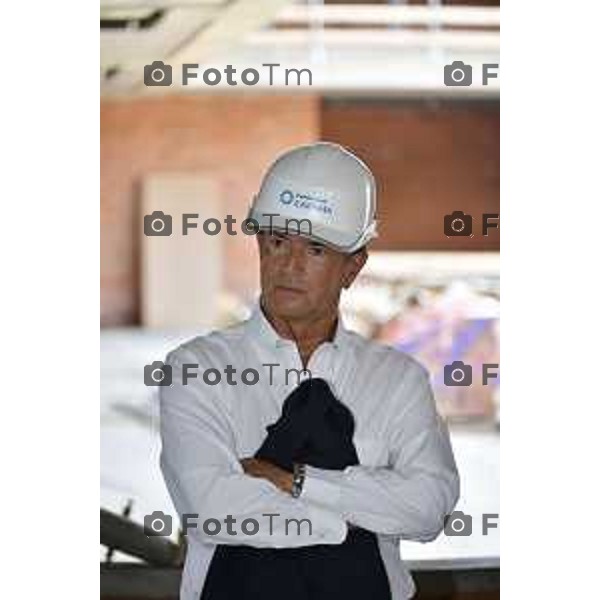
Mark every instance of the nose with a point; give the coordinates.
(294, 260)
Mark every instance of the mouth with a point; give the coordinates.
(286, 288)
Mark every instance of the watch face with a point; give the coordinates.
(298, 481)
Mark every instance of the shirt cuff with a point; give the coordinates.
(328, 526)
(323, 486)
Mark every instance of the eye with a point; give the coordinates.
(277, 243)
(317, 250)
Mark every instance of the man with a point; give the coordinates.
(405, 479)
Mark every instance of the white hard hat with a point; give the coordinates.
(322, 183)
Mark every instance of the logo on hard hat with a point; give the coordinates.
(313, 201)
(286, 197)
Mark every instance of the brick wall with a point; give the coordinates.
(233, 139)
(429, 158)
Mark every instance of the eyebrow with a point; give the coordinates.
(284, 236)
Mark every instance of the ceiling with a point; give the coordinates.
(394, 48)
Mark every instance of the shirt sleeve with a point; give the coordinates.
(205, 478)
(410, 497)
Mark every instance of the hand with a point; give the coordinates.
(257, 467)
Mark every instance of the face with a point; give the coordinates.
(302, 279)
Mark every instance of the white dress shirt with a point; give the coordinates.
(406, 481)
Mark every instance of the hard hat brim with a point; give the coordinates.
(318, 232)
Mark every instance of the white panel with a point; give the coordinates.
(181, 274)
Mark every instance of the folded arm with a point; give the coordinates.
(410, 497)
(204, 476)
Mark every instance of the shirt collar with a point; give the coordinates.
(260, 326)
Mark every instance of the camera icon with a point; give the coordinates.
(158, 223)
(458, 374)
(158, 74)
(458, 73)
(458, 224)
(458, 523)
(158, 524)
(158, 374)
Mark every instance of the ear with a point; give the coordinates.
(355, 263)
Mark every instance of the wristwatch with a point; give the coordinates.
(298, 481)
